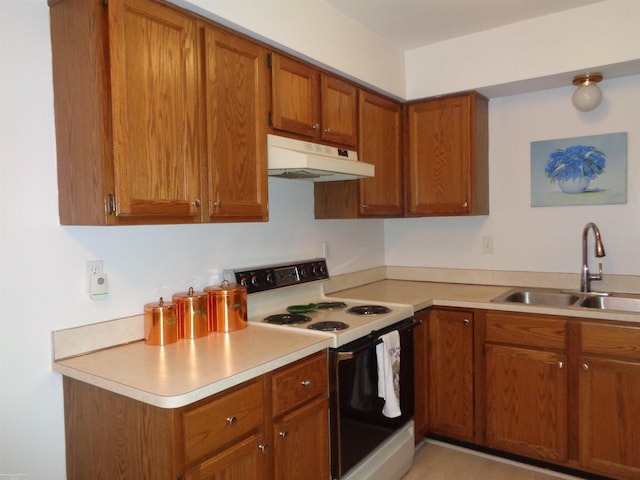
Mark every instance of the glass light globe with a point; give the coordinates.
(587, 97)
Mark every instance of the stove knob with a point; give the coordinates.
(243, 281)
(254, 281)
(303, 271)
(270, 279)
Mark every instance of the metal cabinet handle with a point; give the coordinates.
(232, 420)
(218, 204)
(465, 205)
(327, 130)
(306, 383)
(196, 203)
(315, 126)
(466, 321)
(263, 448)
(560, 365)
(585, 366)
(283, 435)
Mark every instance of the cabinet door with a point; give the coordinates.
(243, 461)
(450, 382)
(380, 144)
(295, 97)
(301, 443)
(609, 409)
(236, 110)
(526, 401)
(447, 171)
(339, 107)
(154, 88)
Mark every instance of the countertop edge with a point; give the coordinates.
(186, 398)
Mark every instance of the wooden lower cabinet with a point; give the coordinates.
(526, 385)
(243, 433)
(444, 360)
(301, 443)
(561, 390)
(609, 399)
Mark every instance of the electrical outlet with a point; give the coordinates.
(487, 245)
(325, 249)
(91, 268)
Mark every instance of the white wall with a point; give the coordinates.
(551, 46)
(42, 263)
(539, 239)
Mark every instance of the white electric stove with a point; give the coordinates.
(365, 444)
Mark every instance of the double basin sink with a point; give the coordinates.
(561, 298)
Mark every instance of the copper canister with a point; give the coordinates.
(193, 317)
(160, 323)
(227, 307)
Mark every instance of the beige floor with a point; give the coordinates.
(439, 461)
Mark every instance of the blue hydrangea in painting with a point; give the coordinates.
(574, 163)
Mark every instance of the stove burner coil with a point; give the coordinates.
(368, 310)
(330, 305)
(328, 326)
(286, 319)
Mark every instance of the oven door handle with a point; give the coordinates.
(342, 356)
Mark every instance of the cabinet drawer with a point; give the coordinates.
(225, 419)
(610, 339)
(524, 329)
(300, 382)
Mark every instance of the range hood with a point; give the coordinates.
(300, 160)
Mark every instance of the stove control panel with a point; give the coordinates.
(259, 279)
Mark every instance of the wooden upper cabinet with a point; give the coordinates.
(448, 156)
(381, 145)
(235, 89)
(295, 96)
(312, 104)
(126, 88)
(339, 111)
(154, 90)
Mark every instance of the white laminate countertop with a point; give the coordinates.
(190, 370)
(181, 373)
(426, 294)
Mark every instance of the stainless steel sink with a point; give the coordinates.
(613, 302)
(560, 298)
(551, 298)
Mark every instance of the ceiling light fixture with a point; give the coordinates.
(588, 95)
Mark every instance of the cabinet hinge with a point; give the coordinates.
(105, 3)
(111, 204)
(268, 60)
(270, 119)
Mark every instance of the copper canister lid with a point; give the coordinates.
(160, 323)
(193, 316)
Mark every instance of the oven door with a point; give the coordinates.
(358, 425)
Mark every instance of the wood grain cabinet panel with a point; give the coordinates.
(126, 103)
(380, 143)
(312, 104)
(235, 89)
(609, 399)
(450, 384)
(160, 117)
(526, 385)
(447, 171)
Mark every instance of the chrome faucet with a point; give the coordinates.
(587, 277)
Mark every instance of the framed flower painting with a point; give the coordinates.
(579, 171)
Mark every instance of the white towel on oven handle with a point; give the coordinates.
(388, 358)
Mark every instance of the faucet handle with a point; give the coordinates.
(597, 276)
